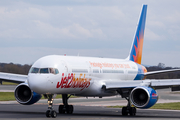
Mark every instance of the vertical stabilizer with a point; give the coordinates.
(137, 45)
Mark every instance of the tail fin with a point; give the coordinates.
(137, 45)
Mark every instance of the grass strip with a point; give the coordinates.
(9, 83)
(168, 106)
(9, 96)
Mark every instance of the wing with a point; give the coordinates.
(157, 84)
(16, 78)
(161, 71)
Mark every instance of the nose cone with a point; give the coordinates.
(38, 83)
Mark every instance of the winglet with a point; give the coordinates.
(137, 45)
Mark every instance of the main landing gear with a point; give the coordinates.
(128, 109)
(65, 108)
(50, 112)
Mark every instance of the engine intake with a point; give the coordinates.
(143, 97)
(24, 95)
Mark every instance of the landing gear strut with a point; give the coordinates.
(50, 112)
(128, 109)
(65, 108)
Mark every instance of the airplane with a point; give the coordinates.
(92, 77)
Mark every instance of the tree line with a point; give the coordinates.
(14, 68)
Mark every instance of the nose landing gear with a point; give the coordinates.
(50, 112)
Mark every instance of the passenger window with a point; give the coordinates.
(44, 70)
(34, 70)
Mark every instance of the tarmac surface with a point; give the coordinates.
(16, 111)
(91, 108)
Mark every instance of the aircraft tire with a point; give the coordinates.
(48, 113)
(69, 109)
(132, 111)
(61, 110)
(53, 114)
(124, 111)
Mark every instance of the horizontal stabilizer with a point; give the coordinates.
(161, 71)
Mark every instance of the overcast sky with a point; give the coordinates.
(30, 29)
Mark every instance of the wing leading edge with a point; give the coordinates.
(16, 78)
(157, 84)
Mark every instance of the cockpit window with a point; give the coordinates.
(44, 70)
(56, 71)
(34, 70)
(52, 70)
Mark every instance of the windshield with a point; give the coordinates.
(44, 70)
(34, 70)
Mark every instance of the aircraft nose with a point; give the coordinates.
(38, 83)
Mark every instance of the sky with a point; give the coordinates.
(31, 29)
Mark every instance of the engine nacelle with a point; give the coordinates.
(24, 95)
(143, 97)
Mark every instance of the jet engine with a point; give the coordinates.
(24, 95)
(143, 97)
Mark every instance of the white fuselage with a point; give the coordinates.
(82, 76)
